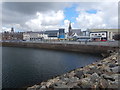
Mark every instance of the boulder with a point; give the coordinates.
(108, 77)
(79, 74)
(103, 83)
(94, 77)
(115, 69)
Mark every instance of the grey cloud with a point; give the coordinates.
(20, 12)
(27, 7)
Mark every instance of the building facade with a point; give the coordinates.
(99, 36)
(46, 35)
(33, 36)
(12, 35)
(56, 34)
(52, 34)
(61, 34)
(103, 34)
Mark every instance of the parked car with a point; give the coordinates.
(103, 40)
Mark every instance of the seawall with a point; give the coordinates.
(98, 49)
(99, 75)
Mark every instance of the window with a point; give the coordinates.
(103, 34)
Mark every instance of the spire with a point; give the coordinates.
(70, 28)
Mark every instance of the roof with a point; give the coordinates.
(76, 29)
(52, 31)
(110, 30)
(34, 32)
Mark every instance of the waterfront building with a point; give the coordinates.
(56, 34)
(46, 35)
(43, 35)
(52, 34)
(33, 36)
(61, 33)
(103, 34)
(12, 35)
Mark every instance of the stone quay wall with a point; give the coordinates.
(103, 74)
(98, 49)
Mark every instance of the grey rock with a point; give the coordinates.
(103, 83)
(62, 77)
(112, 65)
(65, 79)
(105, 62)
(94, 77)
(113, 87)
(71, 74)
(79, 74)
(43, 87)
(60, 86)
(74, 79)
(94, 70)
(85, 83)
(115, 76)
(115, 69)
(107, 69)
(115, 82)
(114, 58)
(108, 77)
(59, 82)
(71, 84)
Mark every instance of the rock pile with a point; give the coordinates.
(102, 74)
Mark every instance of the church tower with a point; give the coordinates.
(69, 29)
(12, 30)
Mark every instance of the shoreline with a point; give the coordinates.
(82, 48)
(100, 74)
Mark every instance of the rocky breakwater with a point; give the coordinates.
(98, 75)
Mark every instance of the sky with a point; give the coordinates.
(40, 16)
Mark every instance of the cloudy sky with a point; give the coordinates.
(38, 16)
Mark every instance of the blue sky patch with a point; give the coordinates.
(71, 13)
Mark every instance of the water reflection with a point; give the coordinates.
(26, 66)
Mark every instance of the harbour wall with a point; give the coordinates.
(98, 49)
(100, 75)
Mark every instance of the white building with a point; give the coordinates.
(103, 34)
(31, 36)
(44, 36)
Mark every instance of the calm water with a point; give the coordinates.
(23, 67)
